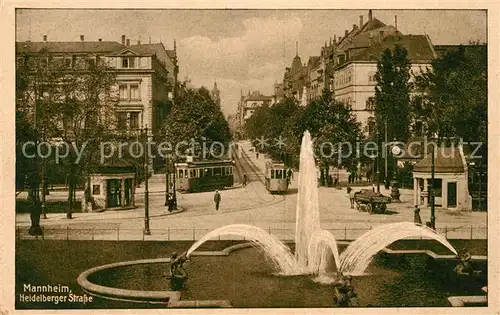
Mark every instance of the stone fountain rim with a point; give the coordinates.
(172, 298)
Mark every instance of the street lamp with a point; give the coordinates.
(395, 151)
(167, 175)
(146, 187)
(433, 217)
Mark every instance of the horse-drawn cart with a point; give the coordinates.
(370, 201)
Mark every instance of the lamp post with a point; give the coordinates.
(395, 151)
(378, 164)
(167, 175)
(175, 193)
(433, 217)
(146, 187)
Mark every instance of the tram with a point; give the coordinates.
(207, 175)
(276, 177)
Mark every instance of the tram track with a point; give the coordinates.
(242, 160)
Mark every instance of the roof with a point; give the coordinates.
(147, 49)
(68, 47)
(447, 160)
(256, 96)
(115, 165)
(314, 61)
(443, 49)
(418, 47)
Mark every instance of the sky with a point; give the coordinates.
(242, 50)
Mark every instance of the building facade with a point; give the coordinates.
(145, 75)
(347, 66)
(247, 106)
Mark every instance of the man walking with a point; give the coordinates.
(217, 200)
(416, 215)
(244, 180)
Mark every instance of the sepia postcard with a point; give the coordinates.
(307, 157)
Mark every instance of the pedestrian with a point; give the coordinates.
(217, 199)
(257, 155)
(373, 187)
(244, 180)
(350, 194)
(416, 215)
(289, 176)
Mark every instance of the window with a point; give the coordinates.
(370, 103)
(122, 120)
(134, 120)
(217, 171)
(437, 186)
(272, 174)
(371, 77)
(96, 189)
(208, 172)
(181, 173)
(192, 173)
(134, 91)
(371, 127)
(123, 92)
(279, 174)
(128, 62)
(349, 102)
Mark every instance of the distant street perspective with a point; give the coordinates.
(255, 159)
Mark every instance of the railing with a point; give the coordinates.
(182, 234)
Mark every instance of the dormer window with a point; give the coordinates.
(128, 62)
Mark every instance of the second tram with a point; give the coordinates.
(276, 177)
(204, 175)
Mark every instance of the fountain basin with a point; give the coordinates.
(124, 294)
(246, 278)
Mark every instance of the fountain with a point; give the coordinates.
(358, 255)
(312, 244)
(314, 248)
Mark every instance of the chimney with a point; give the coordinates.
(128, 42)
(334, 38)
(44, 38)
(82, 38)
(100, 39)
(354, 27)
(346, 32)
(138, 42)
(123, 39)
(360, 21)
(369, 15)
(396, 22)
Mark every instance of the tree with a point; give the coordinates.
(195, 116)
(392, 94)
(392, 98)
(336, 130)
(73, 104)
(455, 95)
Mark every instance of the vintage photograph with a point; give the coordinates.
(250, 158)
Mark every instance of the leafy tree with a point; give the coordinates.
(392, 94)
(73, 104)
(327, 121)
(195, 116)
(336, 130)
(392, 98)
(454, 102)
